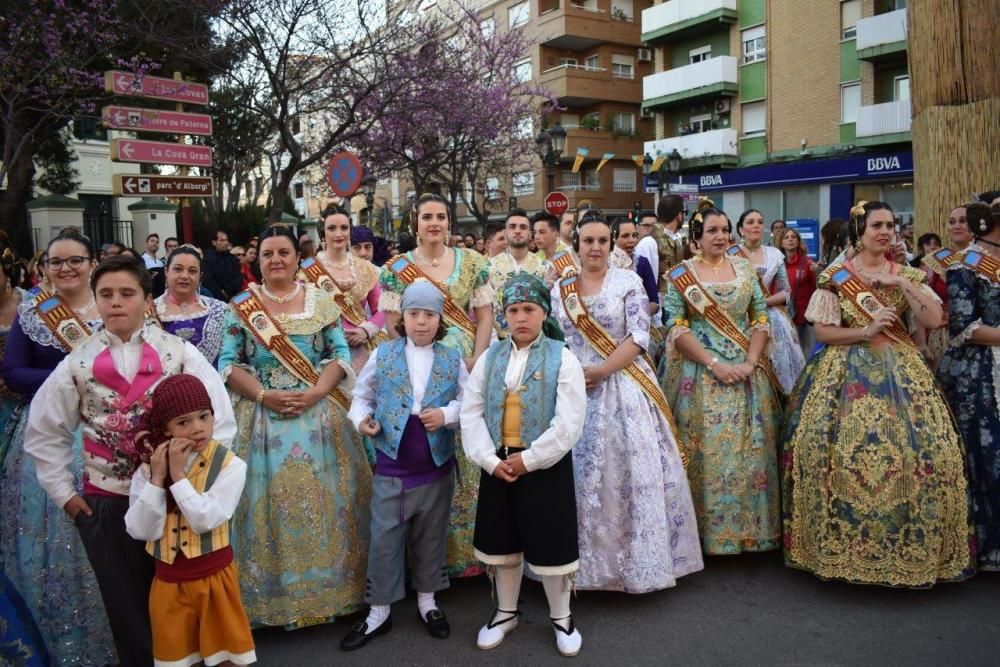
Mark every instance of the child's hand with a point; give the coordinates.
(369, 427)
(516, 465)
(504, 472)
(432, 418)
(177, 457)
(158, 465)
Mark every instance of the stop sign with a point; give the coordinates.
(556, 203)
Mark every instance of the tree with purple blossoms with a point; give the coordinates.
(463, 122)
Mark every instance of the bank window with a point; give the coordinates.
(850, 102)
(592, 63)
(524, 183)
(522, 70)
(768, 202)
(623, 122)
(754, 45)
(850, 14)
(801, 203)
(700, 54)
(519, 14)
(754, 119)
(901, 88)
(624, 180)
(622, 67)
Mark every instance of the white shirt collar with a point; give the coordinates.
(410, 345)
(525, 349)
(134, 340)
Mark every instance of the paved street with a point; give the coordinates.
(749, 610)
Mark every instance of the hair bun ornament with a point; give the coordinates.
(859, 210)
(705, 203)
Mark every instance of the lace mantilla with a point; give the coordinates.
(209, 320)
(36, 330)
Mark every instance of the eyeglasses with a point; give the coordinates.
(238, 254)
(74, 262)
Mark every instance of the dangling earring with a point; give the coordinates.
(859, 245)
(982, 225)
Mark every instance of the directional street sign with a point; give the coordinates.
(344, 174)
(160, 152)
(154, 120)
(155, 87)
(556, 203)
(141, 185)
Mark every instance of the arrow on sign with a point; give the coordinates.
(122, 83)
(128, 185)
(127, 150)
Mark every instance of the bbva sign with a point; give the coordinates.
(876, 164)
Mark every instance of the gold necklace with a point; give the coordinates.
(870, 276)
(714, 267)
(433, 261)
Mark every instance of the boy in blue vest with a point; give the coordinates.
(407, 400)
(523, 411)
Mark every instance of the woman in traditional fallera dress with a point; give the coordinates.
(357, 285)
(43, 554)
(970, 373)
(723, 391)
(873, 488)
(636, 521)
(183, 312)
(301, 529)
(784, 349)
(463, 277)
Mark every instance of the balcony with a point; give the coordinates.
(714, 147)
(709, 78)
(578, 85)
(884, 120)
(599, 142)
(576, 27)
(882, 36)
(681, 19)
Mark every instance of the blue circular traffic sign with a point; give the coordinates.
(344, 174)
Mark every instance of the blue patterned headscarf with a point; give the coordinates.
(524, 287)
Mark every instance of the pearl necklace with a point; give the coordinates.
(347, 263)
(282, 299)
(84, 309)
(433, 261)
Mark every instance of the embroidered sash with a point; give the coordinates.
(315, 272)
(737, 251)
(860, 294)
(409, 273)
(986, 266)
(61, 320)
(701, 301)
(942, 260)
(605, 345)
(267, 331)
(562, 261)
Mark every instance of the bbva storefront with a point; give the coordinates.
(812, 189)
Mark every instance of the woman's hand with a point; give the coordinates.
(593, 376)
(726, 373)
(745, 370)
(884, 318)
(285, 402)
(356, 337)
(369, 427)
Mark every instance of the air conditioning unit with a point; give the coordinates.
(722, 105)
(646, 113)
(645, 55)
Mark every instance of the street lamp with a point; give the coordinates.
(670, 165)
(551, 144)
(368, 185)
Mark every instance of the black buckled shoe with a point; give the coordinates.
(357, 637)
(437, 624)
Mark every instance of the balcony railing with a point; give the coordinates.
(567, 66)
(676, 12)
(580, 188)
(882, 29)
(703, 144)
(715, 73)
(880, 119)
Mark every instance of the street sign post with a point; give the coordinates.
(556, 203)
(154, 120)
(143, 185)
(155, 87)
(344, 174)
(160, 152)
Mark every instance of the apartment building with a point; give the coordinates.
(794, 108)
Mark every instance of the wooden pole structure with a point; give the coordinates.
(954, 54)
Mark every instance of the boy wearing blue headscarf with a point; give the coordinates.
(407, 400)
(522, 412)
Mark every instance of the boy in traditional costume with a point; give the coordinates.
(181, 502)
(522, 412)
(105, 384)
(407, 400)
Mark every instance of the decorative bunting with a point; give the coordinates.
(638, 160)
(604, 160)
(657, 163)
(581, 154)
